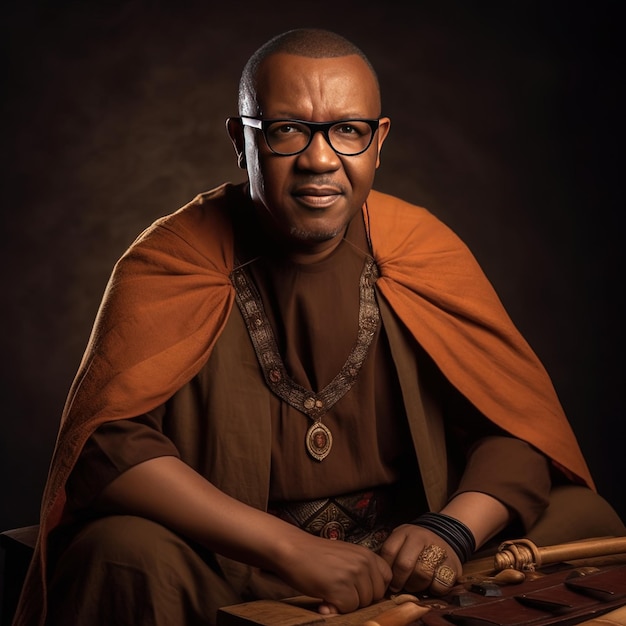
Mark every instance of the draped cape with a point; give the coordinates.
(170, 295)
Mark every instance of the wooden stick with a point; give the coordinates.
(523, 554)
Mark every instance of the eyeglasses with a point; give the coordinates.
(289, 137)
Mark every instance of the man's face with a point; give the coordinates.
(308, 199)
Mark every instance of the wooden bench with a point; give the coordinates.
(17, 546)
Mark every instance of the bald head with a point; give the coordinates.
(312, 43)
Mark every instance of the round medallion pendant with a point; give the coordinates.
(319, 441)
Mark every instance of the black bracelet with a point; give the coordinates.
(452, 531)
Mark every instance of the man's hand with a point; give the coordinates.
(413, 552)
(418, 559)
(344, 575)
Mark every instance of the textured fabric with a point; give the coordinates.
(124, 570)
(372, 445)
(436, 287)
(156, 328)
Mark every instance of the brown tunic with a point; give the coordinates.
(167, 313)
(313, 311)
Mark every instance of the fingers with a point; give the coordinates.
(354, 578)
(431, 574)
(406, 613)
(428, 560)
(399, 552)
(443, 580)
(343, 575)
(420, 561)
(372, 586)
(361, 592)
(327, 609)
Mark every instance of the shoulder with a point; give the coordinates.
(203, 224)
(199, 234)
(208, 212)
(395, 223)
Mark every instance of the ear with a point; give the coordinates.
(235, 132)
(383, 130)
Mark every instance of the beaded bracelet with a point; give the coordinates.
(452, 531)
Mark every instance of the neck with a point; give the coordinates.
(315, 253)
(301, 251)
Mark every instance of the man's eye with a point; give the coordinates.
(286, 129)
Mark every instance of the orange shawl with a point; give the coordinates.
(170, 295)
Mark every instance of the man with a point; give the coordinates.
(298, 386)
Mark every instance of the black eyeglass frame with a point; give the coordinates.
(314, 127)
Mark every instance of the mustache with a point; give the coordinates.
(322, 180)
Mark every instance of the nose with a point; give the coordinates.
(319, 155)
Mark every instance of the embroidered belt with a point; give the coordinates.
(355, 518)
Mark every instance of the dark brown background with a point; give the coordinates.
(506, 119)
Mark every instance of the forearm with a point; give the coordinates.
(512, 473)
(504, 479)
(168, 491)
(484, 515)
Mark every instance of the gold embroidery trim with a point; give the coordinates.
(314, 405)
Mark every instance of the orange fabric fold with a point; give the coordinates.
(436, 287)
(170, 296)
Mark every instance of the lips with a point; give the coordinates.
(317, 197)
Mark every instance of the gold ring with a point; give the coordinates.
(432, 556)
(445, 576)
(443, 580)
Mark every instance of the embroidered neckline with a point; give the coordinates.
(312, 404)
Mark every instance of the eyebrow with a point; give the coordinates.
(345, 116)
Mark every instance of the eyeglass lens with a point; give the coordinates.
(348, 137)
